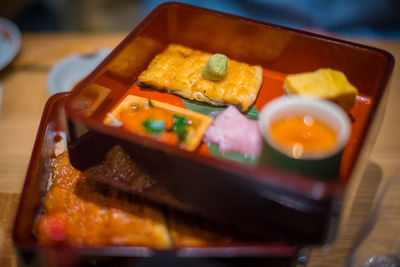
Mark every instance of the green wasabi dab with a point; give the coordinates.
(215, 68)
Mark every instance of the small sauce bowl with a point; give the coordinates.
(322, 163)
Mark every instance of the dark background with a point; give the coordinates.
(363, 18)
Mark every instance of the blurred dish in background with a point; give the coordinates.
(10, 42)
(70, 70)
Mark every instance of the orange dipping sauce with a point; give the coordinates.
(303, 135)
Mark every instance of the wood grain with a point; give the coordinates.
(8, 204)
(384, 161)
(25, 94)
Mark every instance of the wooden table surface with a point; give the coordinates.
(25, 93)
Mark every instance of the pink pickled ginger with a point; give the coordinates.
(232, 131)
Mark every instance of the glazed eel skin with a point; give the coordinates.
(81, 212)
(178, 70)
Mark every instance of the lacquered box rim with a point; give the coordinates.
(333, 188)
(260, 249)
(34, 162)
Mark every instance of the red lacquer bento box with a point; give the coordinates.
(272, 252)
(239, 195)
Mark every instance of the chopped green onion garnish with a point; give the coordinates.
(154, 127)
(180, 127)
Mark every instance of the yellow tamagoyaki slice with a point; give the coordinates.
(323, 83)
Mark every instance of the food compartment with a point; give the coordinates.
(189, 237)
(175, 126)
(279, 51)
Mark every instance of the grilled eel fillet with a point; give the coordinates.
(85, 214)
(178, 70)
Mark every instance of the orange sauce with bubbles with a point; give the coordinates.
(303, 134)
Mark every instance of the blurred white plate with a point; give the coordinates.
(10, 41)
(70, 70)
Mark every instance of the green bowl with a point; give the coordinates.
(323, 165)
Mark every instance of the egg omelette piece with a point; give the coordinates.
(178, 70)
(323, 83)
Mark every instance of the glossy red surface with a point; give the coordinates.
(51, 130)
(277, 49)
(280, 51)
